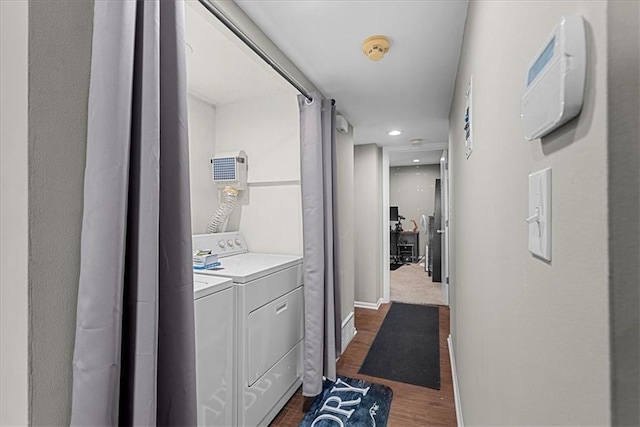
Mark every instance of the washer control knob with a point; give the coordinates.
(221, 243)
(230, 243)
(238, 242)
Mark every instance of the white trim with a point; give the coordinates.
(348, 331)
(456, 387)
(368, 305)
(386, 150)
(446, 225)
(283, 183)
(386, 287)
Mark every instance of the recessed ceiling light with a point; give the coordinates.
(416, 160)
(394, 132)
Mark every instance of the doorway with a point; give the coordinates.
(413, 201)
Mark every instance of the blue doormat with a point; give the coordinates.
(350, 402)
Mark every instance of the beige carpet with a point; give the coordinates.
(411, 284)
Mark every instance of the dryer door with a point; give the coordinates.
(273, 330)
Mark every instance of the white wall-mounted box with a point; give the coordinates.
(554, 83)
(342, 125)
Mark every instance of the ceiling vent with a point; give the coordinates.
(375, 47)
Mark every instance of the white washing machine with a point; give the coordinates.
(270, 324)
(215, 320)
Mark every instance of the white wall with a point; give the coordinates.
(268, 130)
(412, 189)
(14, 385)
(531, 338)
(59, 67)
(368, 223)
(202, 148)
(344, 142)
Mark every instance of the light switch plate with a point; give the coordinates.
(539, 214)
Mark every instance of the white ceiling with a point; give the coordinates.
(220, 68)
(407, 156)
(410, 89)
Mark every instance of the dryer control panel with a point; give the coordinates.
(223, 244)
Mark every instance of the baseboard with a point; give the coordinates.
(456, 387)
(348, 331)
(368, 305)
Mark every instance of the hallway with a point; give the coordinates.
(539, 230)
(411, 284)
(411, 405)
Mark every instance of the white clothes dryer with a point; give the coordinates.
(215, 350)
(270, 324)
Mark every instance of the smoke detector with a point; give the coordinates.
(375, 47)
(415, 142)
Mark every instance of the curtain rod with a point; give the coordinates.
(215, 11)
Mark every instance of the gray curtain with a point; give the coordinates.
(134, 359)
(322, 341)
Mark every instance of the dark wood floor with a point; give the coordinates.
(411, 405)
